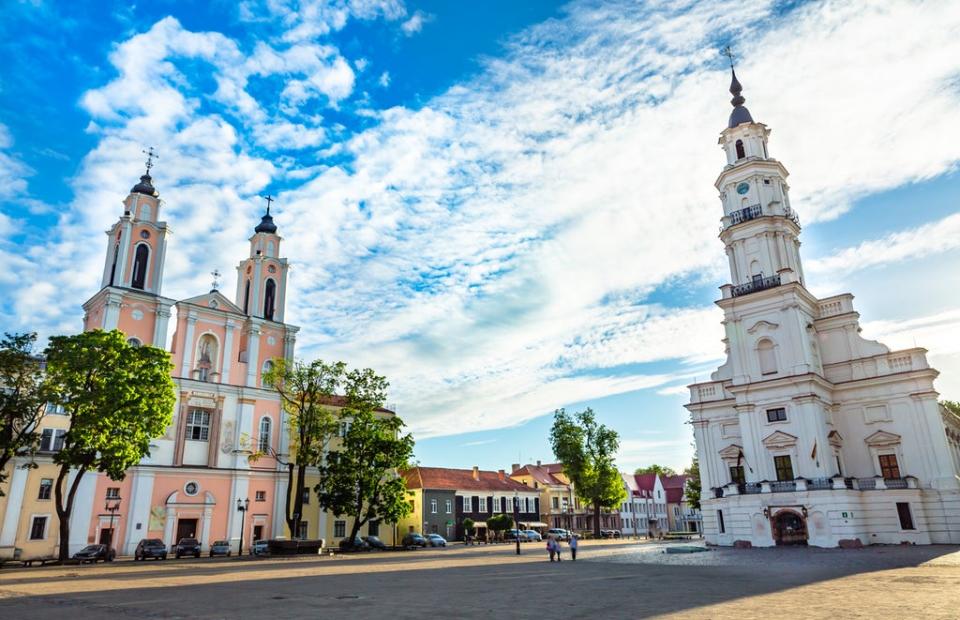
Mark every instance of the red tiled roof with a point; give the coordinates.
(679, 480)
(646, 482)
(544, 474)
(443, 478)
(336, 400)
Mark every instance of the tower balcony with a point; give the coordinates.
(755, 285)
(746, 214)
(754, 211)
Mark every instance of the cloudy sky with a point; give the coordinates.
(504, 207)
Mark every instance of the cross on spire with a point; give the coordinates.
(729, 54)
(269, 199)
(150, 153)
(216, 279)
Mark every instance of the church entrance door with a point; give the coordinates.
(789, 528)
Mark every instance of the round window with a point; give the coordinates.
(191, 488)
(144, 234)
(272, 269)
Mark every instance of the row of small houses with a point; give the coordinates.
(542, 497)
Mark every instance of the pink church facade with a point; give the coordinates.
(196, 472)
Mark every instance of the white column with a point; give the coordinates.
(281, 294)
(15, 492)
(111, 311)
(83, 507)
(205, 528)
(168, 526)
(227, 351)
(157, 279)
(138, 511)
(160, 327)
(253, 355)
(240, 490)
(121, 278)
(254, 309)
(279, 507)
(187, 368)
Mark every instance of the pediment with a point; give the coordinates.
(214, 300)
(762, 325)
(731, 452)
(882, 438)
(835, 439)
(779, 439)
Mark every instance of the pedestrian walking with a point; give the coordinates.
(557, 548)
(551, 547)
(573, 548)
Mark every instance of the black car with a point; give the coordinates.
(374, 542)
(150, 548)
(357, 544)
(93, 553)
(414, 540)
(187, 546)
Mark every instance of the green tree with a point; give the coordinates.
(22, 399)
(952, 406)
(587, 449)
(693, 484)
(468, 526)
(305, 391)
(117, 396)
(360, 479)
(498, 523)
(661, 470)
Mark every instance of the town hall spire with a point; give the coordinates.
(740, 113)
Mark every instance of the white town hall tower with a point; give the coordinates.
(810, 434)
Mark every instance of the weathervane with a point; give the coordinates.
(729, 54)
(216, 279)
(269, 199)
(150, 153)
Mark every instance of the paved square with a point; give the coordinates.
(609, 580)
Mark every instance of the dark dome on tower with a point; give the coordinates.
(145, 187)
(740, 113)
(266, 224)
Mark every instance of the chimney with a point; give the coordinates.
(538, 463)
(514, 467)
(476, 472)
(501, 474)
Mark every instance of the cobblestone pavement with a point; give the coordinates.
(610, 580)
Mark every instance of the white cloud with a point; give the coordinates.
(13, 172)
(926, 240)
(384, 79)
(415, 24)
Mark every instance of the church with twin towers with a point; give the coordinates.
(809, 433)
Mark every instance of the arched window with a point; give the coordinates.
(140, 259)
(741, 153)
(269, 299)
(246, 298)
(767, 356)
(134, 342)
(264, 442)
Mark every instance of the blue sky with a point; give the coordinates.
(504, 207)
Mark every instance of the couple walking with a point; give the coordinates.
(553, 548)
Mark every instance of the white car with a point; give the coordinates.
(558, 533)
(260, 547)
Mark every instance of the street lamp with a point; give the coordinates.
(242, 505)
(516, 517)
(112, 509)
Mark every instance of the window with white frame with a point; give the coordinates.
(449, 506)
(55, 409)
(496, 504)
(482, 504)
(46, 487)
(113, 492)
(51, 439)
(265, 429)
(261, 496)
(468, 504)
(198, 425)
(433, 506)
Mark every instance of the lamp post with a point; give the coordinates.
(242, 505)
(112, 509)
(516, 517)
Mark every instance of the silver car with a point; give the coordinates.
(436, 540)
(260, 547)
(532, 535)
(220, 547)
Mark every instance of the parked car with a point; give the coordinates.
(532, 535)
(414, 540)
(220, 547)
(609, 533)
(436, 540)
(93, 553)
(558, 533)
(260, 547)
(150, 548)
(357, 544)
(513, 534)
(375, 543)
(187, 546)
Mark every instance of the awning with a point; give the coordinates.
(480, 524)
(535, 524)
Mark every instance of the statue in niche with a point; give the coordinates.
(226, 444)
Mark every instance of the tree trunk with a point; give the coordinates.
(64, 511)
(596, 519)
